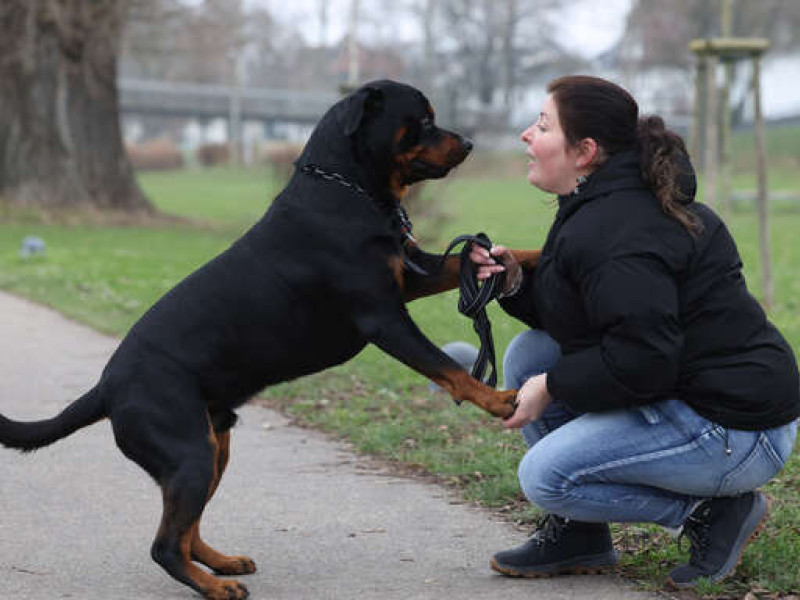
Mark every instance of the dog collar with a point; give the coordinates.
(401, 219)
(316, 171)
(400, 216)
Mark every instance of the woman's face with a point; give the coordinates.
(552, 166)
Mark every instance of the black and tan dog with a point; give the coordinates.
(321, 275)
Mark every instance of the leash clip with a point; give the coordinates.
(405, 224)
(407, 238)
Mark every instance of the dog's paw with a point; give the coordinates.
(226, 590)
(505, 404)
(236, 565)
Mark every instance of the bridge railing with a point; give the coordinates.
(216, 101)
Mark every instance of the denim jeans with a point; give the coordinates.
(651, 463)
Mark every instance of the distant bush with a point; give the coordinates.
(155, 155)
(212, 155)
(280, 157)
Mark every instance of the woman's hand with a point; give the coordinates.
(532, 399)
(497, 260)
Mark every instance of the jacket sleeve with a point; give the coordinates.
(633, 301)
(521, 305)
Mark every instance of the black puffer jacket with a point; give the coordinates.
(643, 311)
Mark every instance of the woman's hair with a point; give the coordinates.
(590, 107)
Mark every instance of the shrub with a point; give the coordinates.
(212, 155)
(280, 157)
(155, 155)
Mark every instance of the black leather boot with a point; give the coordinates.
(719, 529)
(559, 546)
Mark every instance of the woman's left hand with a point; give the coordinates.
(532, 399)
(496, 260)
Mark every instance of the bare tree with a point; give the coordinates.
(487, 50)
(151, 41)
(662, 29)
(658, 33)
(60, 140)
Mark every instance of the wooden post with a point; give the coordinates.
(711, 134)
(725, 114)
(732, 49)
(767, 284)
(235, 126)
(696, 144)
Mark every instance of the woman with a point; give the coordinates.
(652, 388)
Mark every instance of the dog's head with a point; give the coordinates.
(394, 133)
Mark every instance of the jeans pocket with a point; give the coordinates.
(780, 442)
(755, 468)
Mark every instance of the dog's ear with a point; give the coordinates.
(351, 111)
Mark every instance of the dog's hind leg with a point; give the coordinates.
(202, 552)
(185, 494)
(178, 449)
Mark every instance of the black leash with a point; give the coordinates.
(473, 296)
(472, 301)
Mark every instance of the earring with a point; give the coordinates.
(579, 182)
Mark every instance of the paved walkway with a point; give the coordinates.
(77, 519)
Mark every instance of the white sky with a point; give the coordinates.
(588, 27)
(593, 26)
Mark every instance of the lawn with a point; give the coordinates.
(107, 276)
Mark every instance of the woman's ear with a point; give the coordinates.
(588, 153)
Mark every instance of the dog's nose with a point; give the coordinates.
(467, 144)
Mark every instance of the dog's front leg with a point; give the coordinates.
(416, 285)
(402, 339)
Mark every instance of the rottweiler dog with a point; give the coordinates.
(327, 270)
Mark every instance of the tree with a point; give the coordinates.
(60, 139)
(658, 31)
(486, 51)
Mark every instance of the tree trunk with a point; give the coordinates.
(60, 139)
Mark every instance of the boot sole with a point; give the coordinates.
(726, 571)
(591, 565)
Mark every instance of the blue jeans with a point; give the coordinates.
(651, 463)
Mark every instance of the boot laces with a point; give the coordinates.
(697, 528)
(548, 529)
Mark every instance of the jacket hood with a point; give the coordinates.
(621, 171)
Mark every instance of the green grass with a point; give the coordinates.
(781, 145)
(230, 197)
(107, 276)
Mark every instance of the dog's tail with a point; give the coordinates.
(86, 410)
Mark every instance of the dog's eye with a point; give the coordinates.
(427, 123)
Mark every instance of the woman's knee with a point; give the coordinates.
(540, 481)
(530, 353)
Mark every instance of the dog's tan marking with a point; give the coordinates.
(398, 269)
(200, 550)
(462, 386)
(212, 587)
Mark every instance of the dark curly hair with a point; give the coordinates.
(591, 107)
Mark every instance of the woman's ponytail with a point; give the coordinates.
(591, 107)
(666, 169)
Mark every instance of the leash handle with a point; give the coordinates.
(473, 298)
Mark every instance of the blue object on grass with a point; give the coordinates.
(31, 246)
